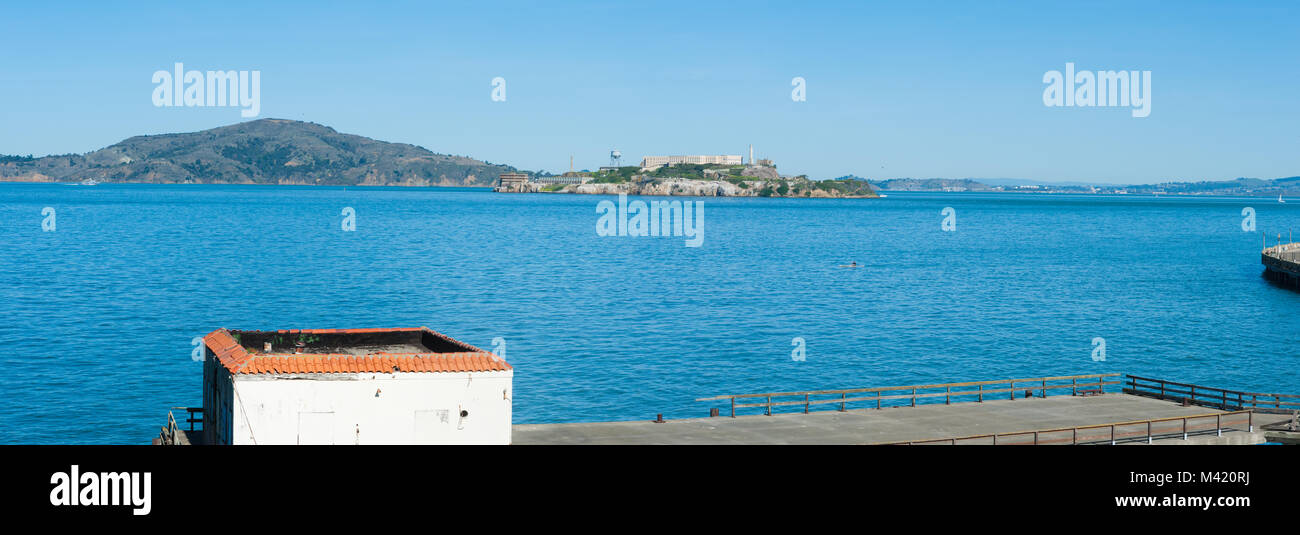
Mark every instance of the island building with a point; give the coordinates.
(650, 163)
(571, 177)
(352, 386)
(511, 180)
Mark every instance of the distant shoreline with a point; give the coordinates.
(880, 192)
(9, 180)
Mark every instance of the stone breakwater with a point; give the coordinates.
(683, 188)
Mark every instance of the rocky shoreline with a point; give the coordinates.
(690, 188)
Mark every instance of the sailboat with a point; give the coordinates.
(1279, 198)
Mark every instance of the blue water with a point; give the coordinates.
(96, 317)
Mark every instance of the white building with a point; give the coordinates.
(651, 163)
(353, 386)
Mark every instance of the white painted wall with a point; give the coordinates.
(337, 408)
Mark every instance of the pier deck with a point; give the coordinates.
(866, 426)
(1282, 264)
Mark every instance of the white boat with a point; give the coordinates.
(1279, 198)
(89, 182)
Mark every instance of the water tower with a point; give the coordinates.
(615, 158)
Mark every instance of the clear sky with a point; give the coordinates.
(894, 89)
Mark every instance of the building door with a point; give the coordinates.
(316, 428)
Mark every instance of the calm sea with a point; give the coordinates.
(98, 315)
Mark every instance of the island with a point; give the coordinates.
(722, 179)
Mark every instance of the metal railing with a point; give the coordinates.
(1115, 435)
(171, 433)
(1206, 396)
(1282, 257)
(1094, 383)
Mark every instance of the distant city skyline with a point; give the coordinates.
(949, 89)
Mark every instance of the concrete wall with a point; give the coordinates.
(392, 408)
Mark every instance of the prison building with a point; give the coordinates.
(651, 163)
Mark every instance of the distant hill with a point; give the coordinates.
(265, 151)
(1240, 186)
(930, 184)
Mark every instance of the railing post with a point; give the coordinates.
(733, 406)
(1218, 425)
(981, 391)
(1162, 390)
(995, 439)
(1184, 428)
(1044, 388)
(1112, 434)
(1223, 403)
(805, 403)
(769, 405)
(1035, 438)
(1148, 431)
(877, 399)
(1250, 421)
(1192, 393)
(913, 397)
(1074, 437)
(1012, 388)
(843, 396)
(1074, 386)
(947, 395)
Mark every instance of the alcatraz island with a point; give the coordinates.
(721, 175)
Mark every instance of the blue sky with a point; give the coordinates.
(894, 89)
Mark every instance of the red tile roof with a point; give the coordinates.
(238, 360)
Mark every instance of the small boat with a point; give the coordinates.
(89, 182)
(1279, 199)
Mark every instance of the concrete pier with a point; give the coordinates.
(1282, 264)
(901, 424)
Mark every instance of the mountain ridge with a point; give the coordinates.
(264, 151)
